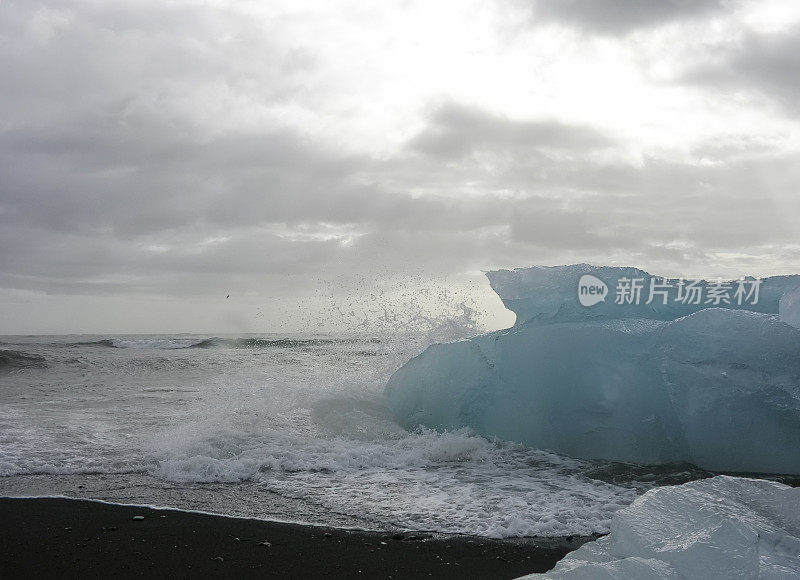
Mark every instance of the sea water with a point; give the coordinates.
(283, 427)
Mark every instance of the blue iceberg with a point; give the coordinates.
(712, 379)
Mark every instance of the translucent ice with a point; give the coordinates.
(719, 387)
(725, 527)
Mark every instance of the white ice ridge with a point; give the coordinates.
(722, 528)
(719, 387)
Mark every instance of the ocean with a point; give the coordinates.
(280, 427)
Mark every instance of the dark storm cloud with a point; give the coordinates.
(615, 17)
(766, 64)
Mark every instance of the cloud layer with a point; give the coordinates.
(185, 149)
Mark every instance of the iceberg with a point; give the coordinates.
(724, 527)
(716, 385)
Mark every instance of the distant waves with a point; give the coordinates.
(217, 342)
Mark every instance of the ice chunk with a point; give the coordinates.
(719, 388)
(556, 294)
(733, 381)
(725, 527)
(581, 390)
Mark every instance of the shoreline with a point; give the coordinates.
(59, 536)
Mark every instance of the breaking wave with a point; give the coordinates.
(14, 359)
(107, 342)
(255, 343)
(223, 343)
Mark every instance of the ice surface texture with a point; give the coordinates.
(720, 528)
(719, 388)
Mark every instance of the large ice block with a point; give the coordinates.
(719, 388)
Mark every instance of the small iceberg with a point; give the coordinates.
(719, 528)
(638, 369)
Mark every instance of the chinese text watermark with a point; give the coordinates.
(592, 290)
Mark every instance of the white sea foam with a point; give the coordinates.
(156, 343)
(448, 482)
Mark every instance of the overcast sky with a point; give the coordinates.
(312, 159)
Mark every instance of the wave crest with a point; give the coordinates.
(15, 359)
(251, 343)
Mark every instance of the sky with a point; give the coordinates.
(295, 166)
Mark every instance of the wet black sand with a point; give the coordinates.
(67, 538)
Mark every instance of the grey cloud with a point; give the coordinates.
(79, 223)
(763, 64)
(104, 264)
(537, 223)
(115, 179)
(76, 55)
(109, 114)
(457, 131)
(617, 17)
(579, 202)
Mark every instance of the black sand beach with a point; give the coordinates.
(66, 538)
